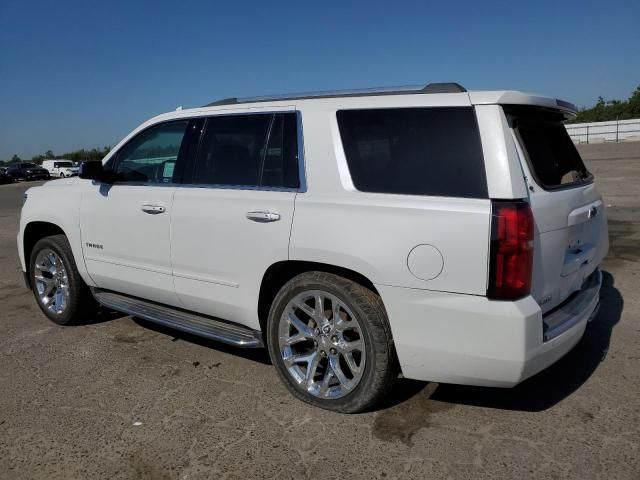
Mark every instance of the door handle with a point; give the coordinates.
(152, 209)
(263, 217)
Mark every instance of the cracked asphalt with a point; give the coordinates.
(120, 398)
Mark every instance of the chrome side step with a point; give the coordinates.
(201, 325)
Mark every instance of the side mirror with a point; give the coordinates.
(91, 170)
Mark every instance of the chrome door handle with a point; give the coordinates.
(263, 217)
(152, 209)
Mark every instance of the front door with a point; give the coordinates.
(125, 225)
(233, 220)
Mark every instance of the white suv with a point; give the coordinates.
(449, 235)
(60, 168)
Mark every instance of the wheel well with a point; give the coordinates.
(280, 273)
(33, 232)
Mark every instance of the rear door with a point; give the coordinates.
(232, 217)
(571, 227)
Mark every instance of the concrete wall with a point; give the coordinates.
(598, 132)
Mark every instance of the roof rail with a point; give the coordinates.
(430, 88)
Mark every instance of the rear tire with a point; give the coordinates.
(58, 288)
(330, 341)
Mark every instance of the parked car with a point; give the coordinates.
(451, 236)
(27, 171)
(4, 177)
(60, 168)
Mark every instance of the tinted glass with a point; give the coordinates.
(280, 166)
(151, 156)
(550, 152)
(248, 150)
(29, 165)
(416, 151)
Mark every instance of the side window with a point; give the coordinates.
(248, 150)
(414, 151)
(280, 166)
(151, 156)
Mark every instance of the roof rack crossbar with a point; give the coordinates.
(430, 88)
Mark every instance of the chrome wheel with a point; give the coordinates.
(321, 344)
(51, 281)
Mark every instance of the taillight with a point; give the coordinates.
(511, 250)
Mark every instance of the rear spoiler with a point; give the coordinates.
(568, 109)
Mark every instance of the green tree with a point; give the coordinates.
(609, 110)
(15, 159)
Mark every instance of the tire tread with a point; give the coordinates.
(81, 302)
(381, 380)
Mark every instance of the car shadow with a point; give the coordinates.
(103, 315)
(538, 393)
(259, 355)
(547, 388)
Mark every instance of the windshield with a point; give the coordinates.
(64, 164)
(29, 165)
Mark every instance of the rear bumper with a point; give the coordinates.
(470, 340)
(571, 312)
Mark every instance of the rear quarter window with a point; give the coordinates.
(414, 151)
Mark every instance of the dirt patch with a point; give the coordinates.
(624, 242)
(9, 293)
(403, 421)
(130, 338)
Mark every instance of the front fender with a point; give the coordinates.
(57, 204)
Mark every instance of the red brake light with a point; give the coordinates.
(511, 252)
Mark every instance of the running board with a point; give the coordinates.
(201, 325)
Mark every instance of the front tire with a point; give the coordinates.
(60, 292)
(330, 341)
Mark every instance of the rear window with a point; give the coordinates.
(553, 159)
(414, 151)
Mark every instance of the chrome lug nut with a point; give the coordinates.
(334, 339)
(333, 351)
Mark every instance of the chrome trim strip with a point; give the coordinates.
(237, 187)
(135, 184)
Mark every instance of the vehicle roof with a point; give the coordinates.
(476, 97)
(454, 92)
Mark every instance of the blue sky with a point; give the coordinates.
(83, 73)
